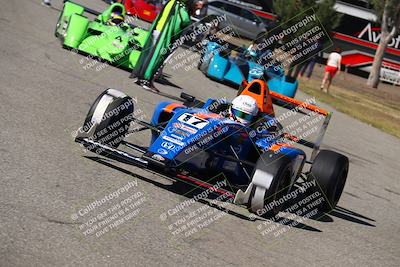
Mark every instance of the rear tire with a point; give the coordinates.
(275, 171)
(330, 170)
(203, 64)
(113, 113)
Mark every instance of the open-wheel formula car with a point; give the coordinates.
(219, 65)
(196, 141)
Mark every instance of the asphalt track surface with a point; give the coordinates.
(46, 178)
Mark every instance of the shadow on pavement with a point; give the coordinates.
(190, 191)
(297, 224)
(344, 214)
(164, 81)
(177, 187)
(351, 216)
(322, 217)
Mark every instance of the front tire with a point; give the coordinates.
(63, 20)
(112, 112)
(330, 170)
(271, 180)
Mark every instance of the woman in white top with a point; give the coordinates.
(332, 67)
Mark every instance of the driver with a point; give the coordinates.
(244, 109)
(116, 18)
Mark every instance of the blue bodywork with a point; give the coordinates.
(195, 138)
(235, 70)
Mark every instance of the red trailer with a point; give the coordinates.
(144, 9)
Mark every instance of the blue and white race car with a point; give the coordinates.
(197, 142)
(220, 66)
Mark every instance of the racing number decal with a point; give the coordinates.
(192, 120)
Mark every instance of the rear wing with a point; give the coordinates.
(290, 103)
(296, 103)
(280, 100)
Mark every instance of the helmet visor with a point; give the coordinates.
(242, 115)
(117, 20)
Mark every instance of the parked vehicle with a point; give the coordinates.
(146, 10)
(243, 21)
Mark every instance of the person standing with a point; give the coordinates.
(199, 9)
(332, 68)
(308, 68)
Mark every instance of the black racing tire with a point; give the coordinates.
(265, 78)
(203, 65)
(290, 79)
(210, 19)
(280, 167)
(113, 111)
(58, 25)
(62, 38)
(330, 170)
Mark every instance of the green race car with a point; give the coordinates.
(144, 52)
(120, 44)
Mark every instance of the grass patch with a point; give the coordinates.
(366, 108)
